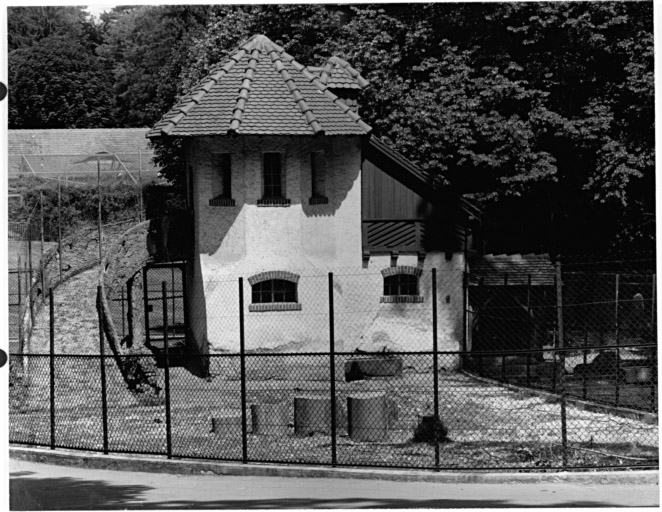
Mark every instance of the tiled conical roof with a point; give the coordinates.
(260, 90)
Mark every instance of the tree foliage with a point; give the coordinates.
(56, 83)
(541, 112)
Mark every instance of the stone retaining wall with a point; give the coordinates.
(80, 252)
(122, 261)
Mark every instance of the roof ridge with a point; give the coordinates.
(195, 96)
(363, 83)
(244, 92)
(307, 112)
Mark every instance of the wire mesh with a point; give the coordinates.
(344, 372)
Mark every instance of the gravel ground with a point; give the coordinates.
(488, 426)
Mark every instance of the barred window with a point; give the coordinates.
(401, 284)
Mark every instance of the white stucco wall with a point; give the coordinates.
(309, 241)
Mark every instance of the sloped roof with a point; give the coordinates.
(412, 176)
(260, 89)
(512, 270)
(77, 141)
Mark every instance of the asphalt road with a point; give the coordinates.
(35, 486)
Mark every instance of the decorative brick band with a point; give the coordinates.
(402, 269)
(273, 201)
(318, 200)
(275, 306)
(273, 274)
(402, 299)
(222, 201)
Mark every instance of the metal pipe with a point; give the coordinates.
(102, 363)
(242, 362)
(435, 362)
(140, 185)
(332, 371)
(167, 370)
(41, 259)
(59, 224)
(99, 209)
(51, 351)
(20, 303)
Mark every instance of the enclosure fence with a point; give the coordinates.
(324, 401)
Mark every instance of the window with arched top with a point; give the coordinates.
(401, 284)
(274, 291)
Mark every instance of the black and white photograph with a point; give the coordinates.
(329, 255)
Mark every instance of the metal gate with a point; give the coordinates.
(171, 308)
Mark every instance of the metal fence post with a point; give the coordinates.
(242, 362)
(535, 332)
(616, 318)
(332, 373)
(20, 303)
(435, 362)
(59, 226)
(122, 303)
(52, 364)
(164, 287)
(465, 315)
(102, 359)
(29, 289)
(617, 391)
(561, 345)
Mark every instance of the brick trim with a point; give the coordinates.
(402, 299)
(273, 274)
(273, 201)
(274, 306)
(318, 200)
(222, 201)
(402, 269)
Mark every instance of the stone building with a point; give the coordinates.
(286, 184)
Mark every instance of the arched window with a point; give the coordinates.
(274, 291)
(401, 284)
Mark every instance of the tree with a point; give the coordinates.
(57, 83)
(144, 50)
(29, 25)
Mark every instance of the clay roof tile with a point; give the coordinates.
(276, 94)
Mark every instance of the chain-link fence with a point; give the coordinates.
(347, 368)
(66, 210)
(602, 323)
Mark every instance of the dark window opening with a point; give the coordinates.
(274, 290)
(401, 284)
(273, 176)
(221, 185)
